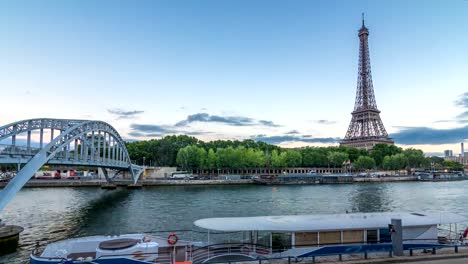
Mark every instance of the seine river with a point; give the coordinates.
(50, 214)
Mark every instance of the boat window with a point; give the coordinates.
(280, 241)
(385, 235)
(306, 239)
(332, 237)
(264, 239)
(353, 236)
(372, 236)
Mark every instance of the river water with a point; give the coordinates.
(50, 214)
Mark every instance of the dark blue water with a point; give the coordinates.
(50, 214)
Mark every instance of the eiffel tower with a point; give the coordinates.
(366, 128)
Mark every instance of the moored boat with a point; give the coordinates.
(122, 249)
(304, 178)
(248, 238)
(307, 235)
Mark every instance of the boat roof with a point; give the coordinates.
(327, 222)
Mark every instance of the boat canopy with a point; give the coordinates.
(327, 222)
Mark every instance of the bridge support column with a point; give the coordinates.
(104, 147)
(104, 172)
(41, 137)
(93, 146)
(109, 148)
(21, 178)
(28, 141)
(99, 145)
(81, 148)
(85, 147)
(75, 153)
(67, 150)
(113, 150)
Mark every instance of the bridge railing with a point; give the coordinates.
(18, 150)
(62, 155)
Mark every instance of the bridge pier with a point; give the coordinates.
(9, 237)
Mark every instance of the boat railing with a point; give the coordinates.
(160, 258)
(362, 251)
(254, 251)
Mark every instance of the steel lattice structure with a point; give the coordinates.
(78, 143)
(366, 128)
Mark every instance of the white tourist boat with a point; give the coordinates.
(122, 249)
(248, 238)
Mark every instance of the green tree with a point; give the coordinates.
(434, 162)
(415, 157)
(254, 158)
(395, 162)
(276, 160)
(364, 163)
(337, 158)
(314, 157)
(291, 158)
(211, 161)
(191, 157)
(201, 157)
(379, 151)
(452, 165)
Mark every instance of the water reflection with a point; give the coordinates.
(371, 198)
(56, 214)
(99, 214)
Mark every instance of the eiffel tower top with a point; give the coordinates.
(365, 99)
(363, 29)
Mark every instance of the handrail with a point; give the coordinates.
(227, 248)
(200, 255)
(168, 255)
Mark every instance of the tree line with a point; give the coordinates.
(190, 153)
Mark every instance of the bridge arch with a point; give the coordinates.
(100, 145)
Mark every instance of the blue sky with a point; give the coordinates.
(280, 71)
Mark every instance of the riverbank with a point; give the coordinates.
(37, 183)
(98, 183)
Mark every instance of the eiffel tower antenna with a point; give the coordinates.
(366, 128)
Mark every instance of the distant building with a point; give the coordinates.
(460, 159)
(448, 153)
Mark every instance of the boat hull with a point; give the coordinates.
(119, 260)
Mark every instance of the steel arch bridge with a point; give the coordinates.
(72, 142)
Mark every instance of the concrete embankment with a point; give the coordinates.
(386, 179)
(195, 182)
(163, 182)
(99, 183)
